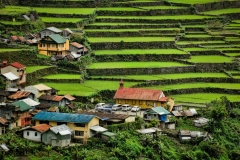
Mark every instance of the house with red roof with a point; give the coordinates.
(144, 98)
(34, 133)
(14, 72)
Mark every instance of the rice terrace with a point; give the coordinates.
(190, 49)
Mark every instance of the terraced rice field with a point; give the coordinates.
(192, 2)
(178, 17)
(9, 49)
(12, 23)
(129, 39)
(210, 59)
(65, 10)
(30, 69)
(54, 19)
(223, 11)
(62, 76)
(134, 65)
(139, 51)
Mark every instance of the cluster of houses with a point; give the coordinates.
(52, 42)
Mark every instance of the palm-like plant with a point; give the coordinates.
(48, 148)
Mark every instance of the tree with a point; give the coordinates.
(48, 148)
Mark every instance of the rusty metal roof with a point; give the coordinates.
(22, 39)
(14, 38)
(69, 97)
(3, 121)
(138, 93)
(53, 109)
(43, 106)
(185, 133)
(106, 115)
(41, 127)
(51, 97)
(20, 94)
(17, 65)
(178, 113)
(188, 113)
(75, 44)
(164, 99)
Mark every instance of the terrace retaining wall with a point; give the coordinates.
(208, 52)
(140, 57)
(137, 26)
(216, 5)
(61, 24)
(205, 67)
(202, 38)
(131, 45)
(202, 90)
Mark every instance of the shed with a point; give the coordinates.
(4, 147)
(34, 133)
(200, 122)
(105, 136)
(158, 113)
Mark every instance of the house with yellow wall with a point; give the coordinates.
(53, 44)
(81, 124)
(144, 98)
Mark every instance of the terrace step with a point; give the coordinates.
(132, 26)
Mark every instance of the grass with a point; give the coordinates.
(163, 7)
(134, 65)
(120, 9)
(197, 85)
(178, 17)
(140, 51)
(129, 39)
(12, 23)
(192, 1)
(88, 87)
(9, 10)
(166, 76)
(119, 23)
(198, 42)
(233, 54)
(210, 59)
(196, 49)
(204, 97)
(65, 10)
(10, 49)
(127, 30)
(53, 19)
(197, 35)
(223, 11)
(31, 69)
(62, 76)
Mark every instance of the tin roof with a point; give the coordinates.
(53, 109)
(63, 117)
(69, 97)
(148, 130)
(61, 129)
(164, 99)
(30, 102)
(185, 133)
(107, 115)
(188, 113)
(160, 110)
(14, 38)
(178, 113)
(98, 128)
(77, 45)
(43, 106)
(57, 38)
(138, 93)
(17, 65)
(42, 87)
(54, 29)
(51, 97)
(41, 127)
(10, 76)
(4, 147)
(20, 94)
(22, 105)
(68, 30)
(22, 39)
(3, 120)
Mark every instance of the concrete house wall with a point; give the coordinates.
(77, 50)
(15, 71)
(32, 135)
(50, 137)
(34, 91)
(141, 103)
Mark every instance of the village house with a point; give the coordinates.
(67, 33)
(34, 133)
(6, 115)
(22, 40)
(21, 95)
(55, 100)
(39, 89)
(144, 98)
(49, 31)
(15, 74)
(80, 123)
(57, 136)
(109, 119)
(14, 39)
(77, 50)
(53, 44)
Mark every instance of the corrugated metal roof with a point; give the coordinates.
(148, 130)
(63, 117)
(30, 102)
(54, 29)
(4, 147)
(3, 120)
(57, 38)
(77, 45)
(185, 133)
(98, 128)
(19, 95)
(164, 99)
(178, 113)
(188, 113)
(68, 30)
(138, 93)
(26, 17)
(60, 128)
(69, 97)
(106, 115)
(66, 132)
(43, 106)
(193, 111)
(160, 110)
(10, 76)
(22, 39)
(109, 134)
(41, 127)
(51, 97)
(14, 38)
(17, 65)
(42, 87)
(22, 105)
(53, 109)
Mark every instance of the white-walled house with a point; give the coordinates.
(35, 133)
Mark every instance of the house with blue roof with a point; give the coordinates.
(81, 124)
(158, 113)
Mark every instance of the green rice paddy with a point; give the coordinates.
(9, 10)
(192, 1)
(10, 49)
(88, 87)
(140, 51)
(62, 76)
(223, 11)
(163, 7)
(178, 17)
(134, 65)
(30, 69)
(210, 59)
(203, 97)
(119, 24)
(65, 10)
(127, 30)
(167, 76)
(120, 9)
(12, 22)
(54, 19)
(128, 39)
(233, 54)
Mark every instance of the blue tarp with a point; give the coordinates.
(163, 117)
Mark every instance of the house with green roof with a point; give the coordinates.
(21, 114)
(53, 44)
(158, 113)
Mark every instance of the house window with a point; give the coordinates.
(60, 123)
(62, 45)
(79, 133)
(35, 133)
(41, 45)
(119, 101)
(43, 122)
(126, 101)
(133, 101)
(27, 133)
(53, 45)
(79, 125)
(140, 102)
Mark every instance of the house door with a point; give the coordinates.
(154, 104)
(23, 122)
